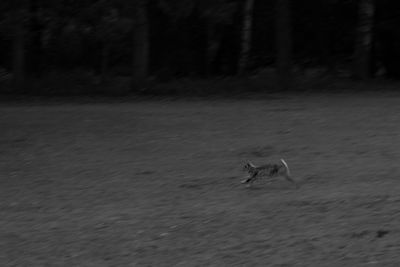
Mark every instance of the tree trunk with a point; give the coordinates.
(34, 45)
(141, 46)
(283, 44)
(213, 44)
(19, 56)
(246, 36)
(104, 61)
(363, 47)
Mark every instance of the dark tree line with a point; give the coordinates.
(202, 38)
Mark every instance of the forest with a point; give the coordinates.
(92, 46)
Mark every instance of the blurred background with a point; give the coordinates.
(125, 46)
(115, 182)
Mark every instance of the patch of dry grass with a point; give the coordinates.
(158, 183)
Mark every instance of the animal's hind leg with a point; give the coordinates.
(290, 179)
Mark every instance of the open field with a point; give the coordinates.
(157, 183)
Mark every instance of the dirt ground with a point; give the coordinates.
(157, 183)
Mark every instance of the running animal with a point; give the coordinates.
(269, 171)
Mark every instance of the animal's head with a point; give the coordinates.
(248, 166)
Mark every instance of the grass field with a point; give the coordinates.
(157, 183)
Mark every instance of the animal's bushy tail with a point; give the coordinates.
(288, 175)
(286, 166)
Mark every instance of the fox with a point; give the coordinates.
(269, 171)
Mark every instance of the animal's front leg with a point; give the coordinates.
(246, 180)
(250, 180)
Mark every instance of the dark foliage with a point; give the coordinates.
(188, 38)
